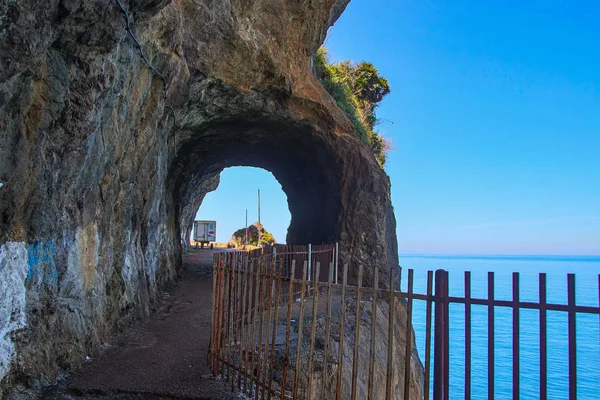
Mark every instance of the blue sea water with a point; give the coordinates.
(586, 271)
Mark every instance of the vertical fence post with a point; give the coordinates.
(572, 337)
(237, 321)
(356, 335)
(439, 344)
(338, 388)
(543, 338)
(227, 324)
(490, 335)
(467, 335)
(260, 308)
(313, 329)
(516, 333)
(279, 275)
(390, 344)
(255, 311)
(428, 333)
(327, 333)
(269, 308)
(288, 330)
(373, 334)
(300, 328)
(248, 320)
(408, 351)
(446, 337)
(211, 350)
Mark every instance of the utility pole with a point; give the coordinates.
(258, 218)
(246, 227)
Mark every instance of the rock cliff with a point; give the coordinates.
(116, 118)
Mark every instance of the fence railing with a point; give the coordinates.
(443, 325)
(278, 334)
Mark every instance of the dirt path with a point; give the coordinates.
(166, 356)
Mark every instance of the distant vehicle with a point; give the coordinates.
(205, 232)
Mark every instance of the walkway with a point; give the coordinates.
(164, 357)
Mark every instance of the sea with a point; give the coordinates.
(586, 270)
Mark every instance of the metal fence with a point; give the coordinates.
(443, 325)
(267, 321)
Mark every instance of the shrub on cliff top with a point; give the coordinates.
(357, 89)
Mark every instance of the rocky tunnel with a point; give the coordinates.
(298, 159)
(112, 132)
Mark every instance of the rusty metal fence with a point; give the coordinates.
(278, 334)
(280, 331)
(443, 325)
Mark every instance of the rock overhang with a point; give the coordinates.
(103, 164)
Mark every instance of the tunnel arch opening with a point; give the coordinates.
(296, 156)
(236, 194)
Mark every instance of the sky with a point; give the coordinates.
(494, 120)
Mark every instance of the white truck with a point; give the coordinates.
(205, 232)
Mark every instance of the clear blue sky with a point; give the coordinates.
(494, 118)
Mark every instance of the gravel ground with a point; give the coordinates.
(163, 358)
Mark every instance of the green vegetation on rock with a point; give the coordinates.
(239, 236)
(357, 90)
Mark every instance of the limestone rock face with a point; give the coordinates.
(105, 157)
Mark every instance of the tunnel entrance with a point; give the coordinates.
(237, 192)
(336, 191)
(297, 159)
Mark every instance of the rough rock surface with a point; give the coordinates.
(103, 162)
(327, 385)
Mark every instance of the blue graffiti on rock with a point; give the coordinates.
(40, 260)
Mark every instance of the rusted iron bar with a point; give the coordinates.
(227, 323)
(491, 335)
(543, 339)
(390, 343)
(279, 273)
(510, 304)
(300, 328)
(311, 354)
(262, 373)
(327, 332)
(428, 334)
(441, 380)
(250, 278)
(338, 388)
(213, 320)
(356, 335)
(446, 337)
(572, 337)
(238, 321)
(408, 351)
(288, 329)
(467, 335)
(261, 311)
(213, 312)
(373, 335)
(255, 334)
(516, 332)
(438, 341)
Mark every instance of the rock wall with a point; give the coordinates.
(328, 384)
(106, 151)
